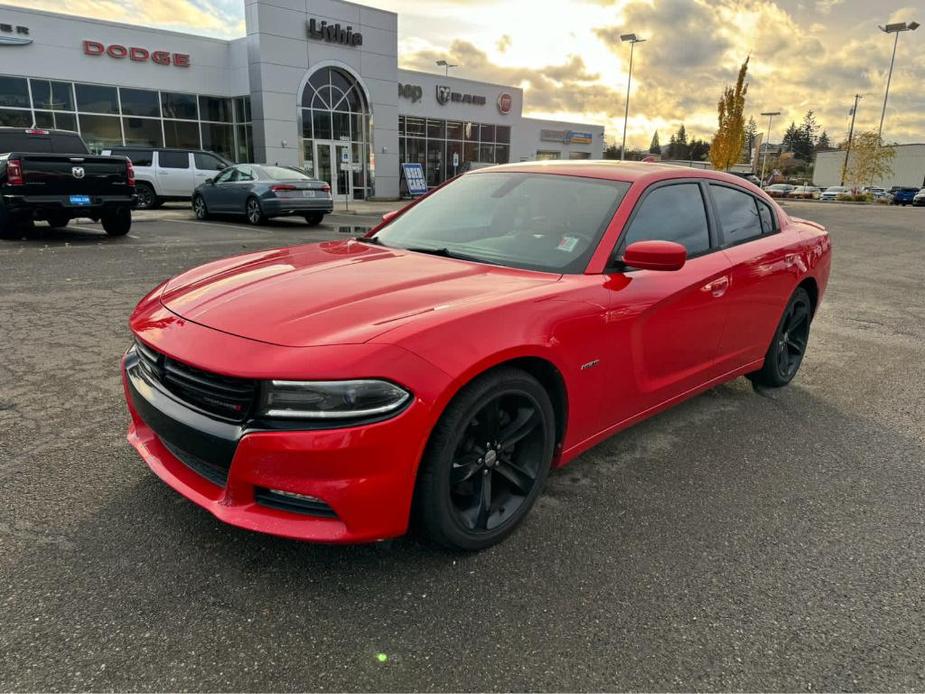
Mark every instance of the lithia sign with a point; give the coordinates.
(334, 33)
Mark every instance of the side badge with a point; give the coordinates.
(590, 365)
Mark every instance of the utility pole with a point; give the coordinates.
(854, 113)
(764, 162)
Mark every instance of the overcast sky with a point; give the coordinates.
(805, 54)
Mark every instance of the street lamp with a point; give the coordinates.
(764, 162)
(632, 39)
(447, 66)
(895, 28)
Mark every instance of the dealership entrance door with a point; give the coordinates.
(330, 166)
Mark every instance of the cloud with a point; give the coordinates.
(503, 43)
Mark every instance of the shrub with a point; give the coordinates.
(855, 197)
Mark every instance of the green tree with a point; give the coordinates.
(612, 152)
(869, 161)
(698, 150)
(654, 147)
(751, 136)
(726, 147)
(823, 143)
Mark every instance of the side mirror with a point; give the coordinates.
(654, 255)
(389, 216)
(210, 181)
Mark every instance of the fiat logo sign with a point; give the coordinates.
(505, 102)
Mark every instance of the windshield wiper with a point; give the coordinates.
(443, 252)
(369, 239)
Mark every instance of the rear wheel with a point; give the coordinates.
(784, 356)
(254, 212)
(314, 219)
(147, 198)
(117, 222)
(486, 461)
(7, 228)
(199, 208)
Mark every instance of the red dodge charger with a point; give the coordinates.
(431, 373)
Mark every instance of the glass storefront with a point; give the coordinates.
(433, 143)
(107, 116)
(335, 132)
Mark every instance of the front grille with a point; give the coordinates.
(293, 503)
(223, 396)
(216, 474)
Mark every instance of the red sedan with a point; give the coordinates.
(433, 372)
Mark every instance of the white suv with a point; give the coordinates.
(169, 174)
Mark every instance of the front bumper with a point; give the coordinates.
(363, 475)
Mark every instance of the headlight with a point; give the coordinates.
(331, 399)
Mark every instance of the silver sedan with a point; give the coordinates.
(260, 192)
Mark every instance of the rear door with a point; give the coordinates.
(762, 274)
(175, 173)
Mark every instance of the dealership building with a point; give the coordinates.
(314, 84)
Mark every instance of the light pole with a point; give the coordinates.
(447, 66)
(854, 114)
(764, 161)
(896, 28)
(633, 40)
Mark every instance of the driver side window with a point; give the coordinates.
(226, 176)
(672, 213)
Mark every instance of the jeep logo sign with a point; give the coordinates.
(334, 33)
(411, 91)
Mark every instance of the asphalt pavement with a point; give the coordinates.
(741, 541)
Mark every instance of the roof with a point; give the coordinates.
(628, 171)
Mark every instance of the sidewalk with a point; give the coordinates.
(369, 208)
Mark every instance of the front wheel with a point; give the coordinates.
(784, 356)
(254, 212)
(118, 222)
(314, 219)
(486, 461)
(199, 208)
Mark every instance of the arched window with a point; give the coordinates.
(335, 119)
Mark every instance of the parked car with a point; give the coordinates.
(751, 178)
(779, 190)
(494, 329)
(169, 174)
(919, 199)
(875, 192)
(260, 192)
(805, 193)
(50, 175)
(903, 195)
(832, 193)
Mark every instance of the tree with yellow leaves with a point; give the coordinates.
(726, 147)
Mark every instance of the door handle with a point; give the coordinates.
(717, 287)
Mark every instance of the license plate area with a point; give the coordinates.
(79, 200)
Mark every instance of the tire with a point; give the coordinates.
(58, 221)
(785, 354)
(8, 229)
(147, 198)
(314, 219)
(118, 222)
(254, 212)
(199, 208)
(511, 467)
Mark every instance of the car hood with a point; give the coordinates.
(342, 292)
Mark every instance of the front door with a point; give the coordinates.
(333, 165)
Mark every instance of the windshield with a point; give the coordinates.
(542, 222)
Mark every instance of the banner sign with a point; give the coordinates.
(414, 178)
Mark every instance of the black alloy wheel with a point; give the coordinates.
(313, 219)
(487, 461)
(147, 200)
(785, 354)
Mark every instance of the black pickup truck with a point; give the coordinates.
(50, 175)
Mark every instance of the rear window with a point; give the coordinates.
(281, 173)
(173, 160)
(54, 143)
(139, 157)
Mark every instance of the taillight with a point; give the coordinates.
(130, 172)
(326, 188)
(14, 172)
(283, 186)
(36, 131)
